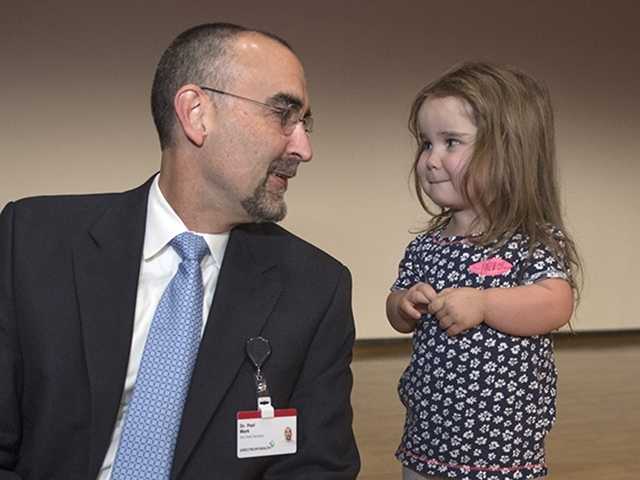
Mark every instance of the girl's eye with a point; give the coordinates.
(452, 142)
(427, 145)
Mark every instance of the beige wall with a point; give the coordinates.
(74, 83)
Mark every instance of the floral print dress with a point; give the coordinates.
(479, 404)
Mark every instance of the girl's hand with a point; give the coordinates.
(458, 309)
(405, 307)
(413, 304)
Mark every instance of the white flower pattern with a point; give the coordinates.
(479, 404)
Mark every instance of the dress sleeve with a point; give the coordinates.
(544, 263)
(408, 272)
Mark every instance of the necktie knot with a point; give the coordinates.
(190, 246)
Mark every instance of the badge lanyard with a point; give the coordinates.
(267, 431)
(258, 350)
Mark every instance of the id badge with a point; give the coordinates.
(266, 431)
(260, 437)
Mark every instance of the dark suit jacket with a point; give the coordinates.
(69, 270)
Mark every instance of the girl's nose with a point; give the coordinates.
(433, 160)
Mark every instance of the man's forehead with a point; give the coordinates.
(256, 43)
(263, 63)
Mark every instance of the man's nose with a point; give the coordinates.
(300, 143)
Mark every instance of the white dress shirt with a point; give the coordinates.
(158, 266)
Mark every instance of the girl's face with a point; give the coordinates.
(448, 135)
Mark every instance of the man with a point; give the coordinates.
(82, 309)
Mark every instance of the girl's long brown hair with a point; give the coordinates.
(511, 178)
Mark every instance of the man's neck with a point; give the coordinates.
(184, 189)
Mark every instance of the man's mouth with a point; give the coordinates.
(283, 176)
(281, 172)
(280, 178)
(285, 172)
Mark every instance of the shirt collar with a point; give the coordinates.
(163, 224)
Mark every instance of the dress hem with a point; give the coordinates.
(431, 466)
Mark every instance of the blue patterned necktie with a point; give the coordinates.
(153, 418)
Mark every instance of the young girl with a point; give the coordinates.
(483, 287)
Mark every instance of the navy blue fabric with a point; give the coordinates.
(479, 404)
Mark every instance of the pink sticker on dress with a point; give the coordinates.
(492, 266)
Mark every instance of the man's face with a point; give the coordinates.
(251, 157)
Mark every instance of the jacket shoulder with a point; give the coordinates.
(68, 210)
(293, 250)
(65, 214)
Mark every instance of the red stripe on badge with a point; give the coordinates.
(249, 414)
(286, 412)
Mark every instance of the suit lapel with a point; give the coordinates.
(248, 287)
(106, 267)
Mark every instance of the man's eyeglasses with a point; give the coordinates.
(289, 116)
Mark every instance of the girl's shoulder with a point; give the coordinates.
(547, 246)
(547, 231)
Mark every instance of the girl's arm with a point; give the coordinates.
(534, 309)
(405, 307)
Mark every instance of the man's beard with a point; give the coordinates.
(262, 207)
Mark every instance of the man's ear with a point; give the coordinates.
(191, 105)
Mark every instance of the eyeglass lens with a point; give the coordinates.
(291, 119)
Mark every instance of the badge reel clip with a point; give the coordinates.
(258, 350)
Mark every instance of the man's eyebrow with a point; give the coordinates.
(286, 99)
